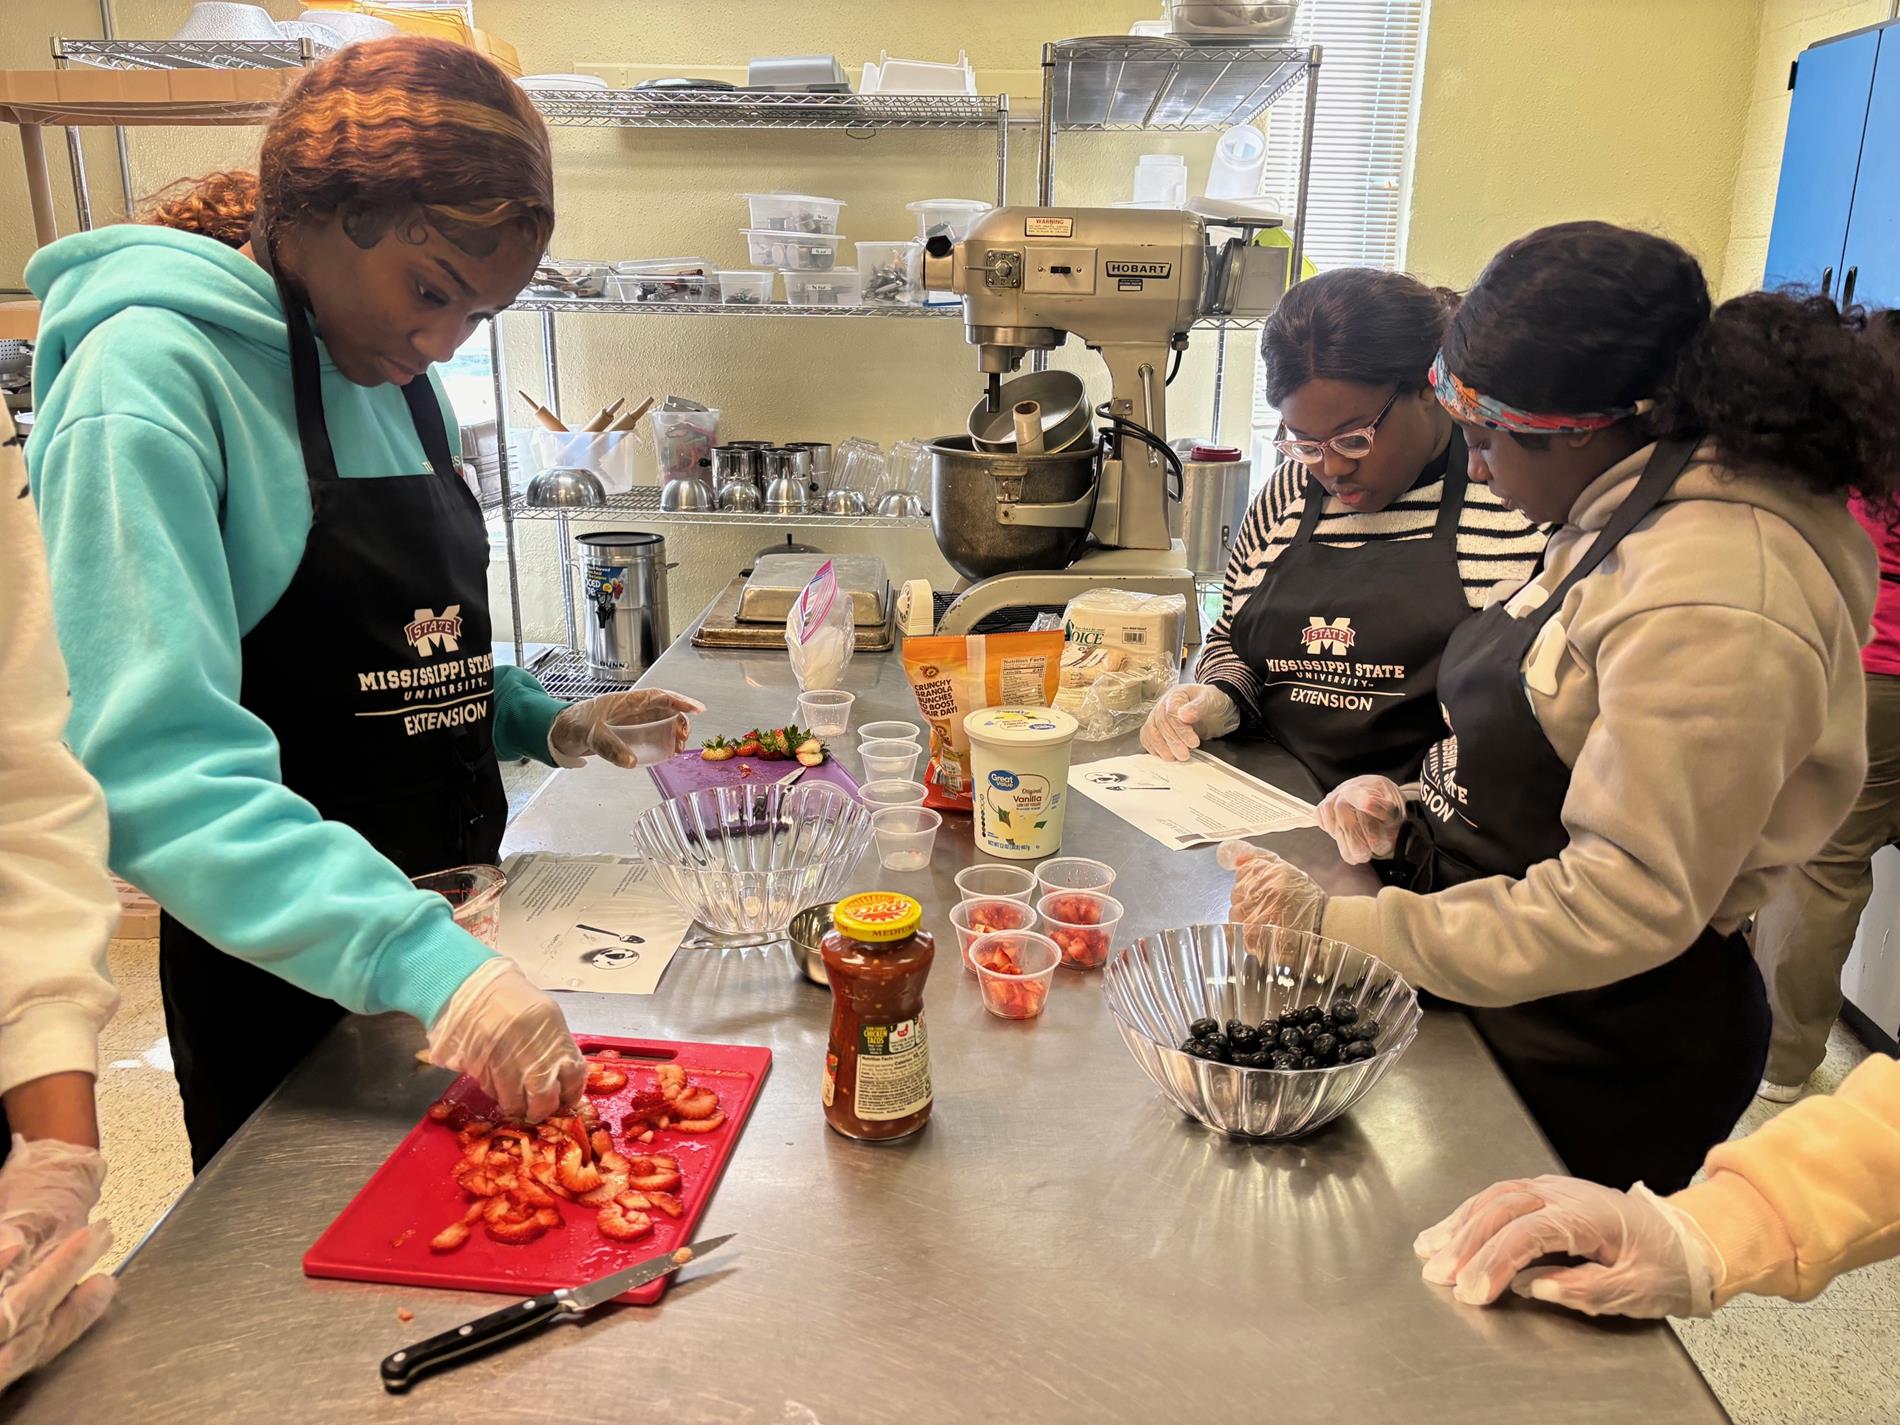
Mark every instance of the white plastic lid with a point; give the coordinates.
(792, 235)
(1020, 727)
(968, 205)
(798, 198)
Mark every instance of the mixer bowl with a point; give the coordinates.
(966, 486)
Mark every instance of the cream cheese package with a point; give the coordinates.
(1122, 651)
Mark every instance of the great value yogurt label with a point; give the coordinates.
(1020, 766)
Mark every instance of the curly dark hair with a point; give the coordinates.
(1584, 316)
(1358, 324)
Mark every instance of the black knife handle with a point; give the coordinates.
(485, 1333)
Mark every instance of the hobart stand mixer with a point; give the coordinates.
(1035, 530)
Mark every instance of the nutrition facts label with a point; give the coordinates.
(893, 1070)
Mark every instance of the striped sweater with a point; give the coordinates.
(1496, 546)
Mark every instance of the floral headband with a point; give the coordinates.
(1476, 408)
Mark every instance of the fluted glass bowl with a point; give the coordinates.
(1159, 985)
(745, 860)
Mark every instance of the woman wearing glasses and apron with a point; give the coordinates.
(1647, 734)
(1363, 552)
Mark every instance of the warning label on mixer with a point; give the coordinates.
(1049, 227)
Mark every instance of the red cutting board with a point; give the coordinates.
(689, 772)
(415, 1189)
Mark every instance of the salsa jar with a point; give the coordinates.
(877, 1069)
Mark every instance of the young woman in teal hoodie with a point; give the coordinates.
(271, 582)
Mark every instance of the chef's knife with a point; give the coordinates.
(523, 1318)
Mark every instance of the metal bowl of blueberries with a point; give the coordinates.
(1258, 1031)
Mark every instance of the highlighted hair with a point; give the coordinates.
(399, 135)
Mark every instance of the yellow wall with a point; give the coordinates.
(1642, 111)
(1533, 113)
(1787, 27)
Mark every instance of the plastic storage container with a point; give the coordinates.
(841, 287)
(950, 217)
(794, 212)
(661, 279)
(1240, 161)
(681, 440)
(1019, 783)
(893, 273)
(802, 252)
(748, 287)
(1161, 180)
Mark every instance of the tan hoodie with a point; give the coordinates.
(1704, 687)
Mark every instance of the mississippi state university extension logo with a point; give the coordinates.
(432, 630)
(1327, 635)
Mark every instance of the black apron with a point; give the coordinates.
(1347, 641)
(1638, 1079)
(375, 673)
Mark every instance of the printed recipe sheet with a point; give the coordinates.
(1192, 803)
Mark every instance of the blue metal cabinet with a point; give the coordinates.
(1870, 265)
(1821, 159)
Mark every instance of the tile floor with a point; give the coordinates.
(1835, 1361)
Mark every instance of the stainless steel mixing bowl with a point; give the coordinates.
(966, 487)
(1157, 986)
(566, 488)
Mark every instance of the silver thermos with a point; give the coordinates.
(624, 574)
(1214, 498)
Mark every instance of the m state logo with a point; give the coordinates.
(1327, 635)
(432, 630)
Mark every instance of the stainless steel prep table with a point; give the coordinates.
(1058, 1245)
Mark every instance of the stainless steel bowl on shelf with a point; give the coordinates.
(1159, 985)
(566, 488)
(744, 861)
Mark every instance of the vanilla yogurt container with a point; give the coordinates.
(1019, 779)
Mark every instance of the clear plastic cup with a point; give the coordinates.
(986, 915)
(1013, 969)
(653, 741)
(893, 273)
(890, 760)
(825, 712)
(893, 793)
(1082, 923)
(1003, 883)
(905, 836)
(474, 897)
(1075, 873)
(890, 732)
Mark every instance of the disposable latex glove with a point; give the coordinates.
(1363, 816)
(1269, 890)
(46, 1249)
(1185, 717)
(1646, 1258)
(512, 1039)
(589, 728)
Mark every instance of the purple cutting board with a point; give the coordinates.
(689, 772)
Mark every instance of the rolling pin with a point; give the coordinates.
(541, 413)
(1028, 415)
(632, 417)
(603, 418)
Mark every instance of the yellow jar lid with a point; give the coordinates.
(874, 916)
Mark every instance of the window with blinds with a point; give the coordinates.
(1366, 116)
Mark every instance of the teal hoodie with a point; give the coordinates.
(172, 492)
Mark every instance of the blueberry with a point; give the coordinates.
(1254, 1060)
(1312, 1014)
(1367, 1029)
(1292, 1040)
(1324, 1045)
(1218, 1043)
(1202, 1049)
(1309, 1062)
(1244, 1037)
(1344, 1011)
(1234, 1024)
(1357, 1050)
(1283, 1059)
(1203, 1028)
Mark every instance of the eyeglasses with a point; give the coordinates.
(1352, 444)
